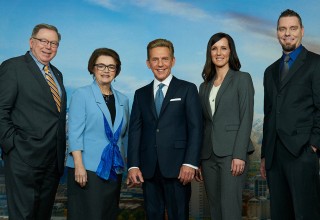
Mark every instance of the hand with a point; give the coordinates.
(80, 175)
(314, 149)
(186, 174)
(198, 175)
(237, 167)
(263, 168)
(134, 178)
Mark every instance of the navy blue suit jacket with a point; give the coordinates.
(173, 138)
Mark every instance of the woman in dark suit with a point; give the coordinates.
(98, 124)
(227, 102)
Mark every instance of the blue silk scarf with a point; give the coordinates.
(111, 162)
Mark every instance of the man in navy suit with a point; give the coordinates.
(163, 151)
(291, 130)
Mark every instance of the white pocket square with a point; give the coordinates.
(175, 99)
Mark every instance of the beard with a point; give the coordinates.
(288, 47)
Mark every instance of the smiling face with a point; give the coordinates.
(104, 77)
(44, 53)
(220, 53)
(160, 62)
(289, 33)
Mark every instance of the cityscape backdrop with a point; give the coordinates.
(127, 26)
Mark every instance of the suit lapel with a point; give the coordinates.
(173, 87)
(295, 66)
(207, 91)
(37, 74)
(276, 74)
(100, 102)
(119, 109)
(227, 79)
(150, 99)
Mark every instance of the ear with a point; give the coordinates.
(148, 64)
(173, 61)
(31, 42)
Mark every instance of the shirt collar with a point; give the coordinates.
(294, 54)
(166, 82)
(40, 65)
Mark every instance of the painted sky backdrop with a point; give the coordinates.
(127, 26)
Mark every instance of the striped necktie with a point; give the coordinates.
(53, 87)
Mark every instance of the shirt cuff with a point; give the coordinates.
(189, 165)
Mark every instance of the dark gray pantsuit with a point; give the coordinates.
(226, 137)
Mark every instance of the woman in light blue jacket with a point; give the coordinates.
(97, 129)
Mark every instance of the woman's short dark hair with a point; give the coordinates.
(209, 69)
(104, 52)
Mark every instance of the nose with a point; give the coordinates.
(218, 51)
(287, 32)
(160, 63)
(48, 45)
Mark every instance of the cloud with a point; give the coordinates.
(109, 4)
(253, 24)
(174, 8)
(170, 7)
(267, 28)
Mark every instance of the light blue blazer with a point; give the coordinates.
(86, 125)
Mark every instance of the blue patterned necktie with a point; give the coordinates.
(159, 98)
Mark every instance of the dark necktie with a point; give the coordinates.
(53, 87)
(159, 98)
(285, 67)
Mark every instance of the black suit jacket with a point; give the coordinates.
(172, 139)
(29, 119)
(292, 107)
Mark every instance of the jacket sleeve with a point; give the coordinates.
(8, 94)
(194, 126)
(135, 127)
(246, 103)
(76, 121)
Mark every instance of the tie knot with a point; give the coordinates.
(46, 69)
(161, 85)
(286, 58)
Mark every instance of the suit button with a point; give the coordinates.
(278, 112)
(158, 130)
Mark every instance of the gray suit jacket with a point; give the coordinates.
(228, 131)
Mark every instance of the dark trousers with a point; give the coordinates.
(294, 185)
(98, 200)
(30, 191)
(169, 194)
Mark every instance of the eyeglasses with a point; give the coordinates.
(101, 67)
(43, 42)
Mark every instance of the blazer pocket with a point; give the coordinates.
(175, 100)
(232, 127)
(304, 130)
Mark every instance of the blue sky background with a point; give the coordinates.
(127, 26)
